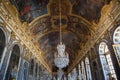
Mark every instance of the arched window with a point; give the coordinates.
(25, 71)
(116, 41)
(2, 45)
(116, 35)
(88, 71)
(12, 70)
(80, 75)
(83, 71)
(31, 67)
(106, 61)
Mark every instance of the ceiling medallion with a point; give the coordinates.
(61, 57)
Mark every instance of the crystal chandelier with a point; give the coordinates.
(61, 59)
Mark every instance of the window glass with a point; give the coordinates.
(116, 35)
(106, 61)
(88, 71)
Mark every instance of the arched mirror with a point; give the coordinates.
(25, 71)
(2, 45)
(12, 69)
(31, 69)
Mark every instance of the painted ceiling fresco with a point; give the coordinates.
(89, 9)
(76, 18)
(41, 26)
(30, 9)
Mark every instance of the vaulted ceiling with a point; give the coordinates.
(43, 19)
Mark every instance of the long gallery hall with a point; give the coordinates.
(59, 39)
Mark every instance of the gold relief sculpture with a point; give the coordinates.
(25, 26)
(55, 22)
(27, 55)
(13, 35)
(105, 9)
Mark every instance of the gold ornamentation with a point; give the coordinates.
(18, 31)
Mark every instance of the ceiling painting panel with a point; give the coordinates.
(41, 26)
(30, 9)
(89, 9)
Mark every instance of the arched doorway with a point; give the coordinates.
(12, 70)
